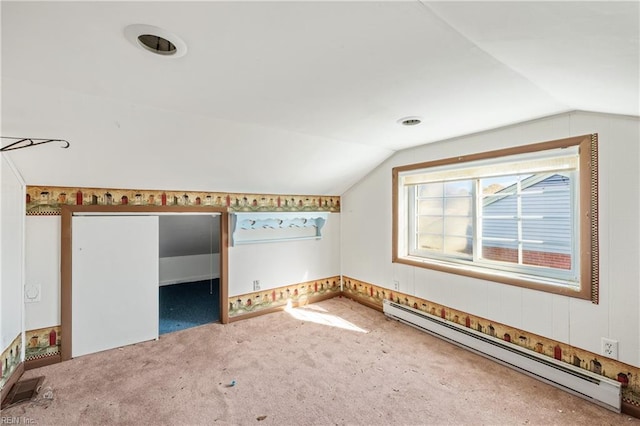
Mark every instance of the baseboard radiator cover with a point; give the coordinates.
(583, 383)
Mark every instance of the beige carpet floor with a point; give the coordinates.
(331, 363)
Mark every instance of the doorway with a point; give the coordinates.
(189, 277)
(67, 257)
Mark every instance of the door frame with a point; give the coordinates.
(66, 258)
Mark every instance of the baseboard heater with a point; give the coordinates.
(580, 382)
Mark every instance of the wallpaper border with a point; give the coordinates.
(42, 343)
(628, 375)
(300, 293)
(11, 358)
(48, 200)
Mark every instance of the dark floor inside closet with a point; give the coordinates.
(188, 305)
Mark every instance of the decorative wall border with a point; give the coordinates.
(278, 297)
(628, 375)
(42, 343)
(11, 357)
(47, 200)
(593, 222)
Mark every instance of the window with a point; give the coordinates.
(514, 216)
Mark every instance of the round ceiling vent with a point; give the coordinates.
(410, 121)
(155, 40)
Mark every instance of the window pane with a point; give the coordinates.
(554, 233)
(500, 240)
(551, 196)
(430, 225)
(500, 228)
(431, 207)
(430, 190)
(458, 246)
(458, 188)
(430, 242)
(502, 251)
(502, 202)
(458, 206)
(547, 243)
(499, 185)
(546, 259)
(458, 226)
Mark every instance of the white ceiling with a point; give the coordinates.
(294, 97)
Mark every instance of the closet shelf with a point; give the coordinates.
(253, 221)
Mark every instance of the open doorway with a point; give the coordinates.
(68, 212)
(189, 275)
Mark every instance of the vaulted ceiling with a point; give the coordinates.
(294, 97)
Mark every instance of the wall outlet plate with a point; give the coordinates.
(256, 285)
(396, 285)
(610, 348)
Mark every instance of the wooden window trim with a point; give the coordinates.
(588, 217)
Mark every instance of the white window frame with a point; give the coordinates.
(580, 281)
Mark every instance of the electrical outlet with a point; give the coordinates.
(610, 348)
(256, 285)
(396, 285)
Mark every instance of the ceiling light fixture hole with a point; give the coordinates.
(155, 40)
(157, 44)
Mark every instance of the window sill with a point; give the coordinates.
(516, 279)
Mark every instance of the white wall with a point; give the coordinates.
(366, 240)
(274, 264)
(277, 264)
(42, 252)
(189, 248)
(185, 269)
(189, 234)
(619, 225)
(12, 206)
(42, 259)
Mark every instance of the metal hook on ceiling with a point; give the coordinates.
(27, 142)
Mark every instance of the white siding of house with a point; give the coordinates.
(554, 203)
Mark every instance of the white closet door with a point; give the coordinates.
(114, 282)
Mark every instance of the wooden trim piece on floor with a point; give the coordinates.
(313, 299)
(42, 362)
(65, 284)
(224, 267)
(15, 376)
